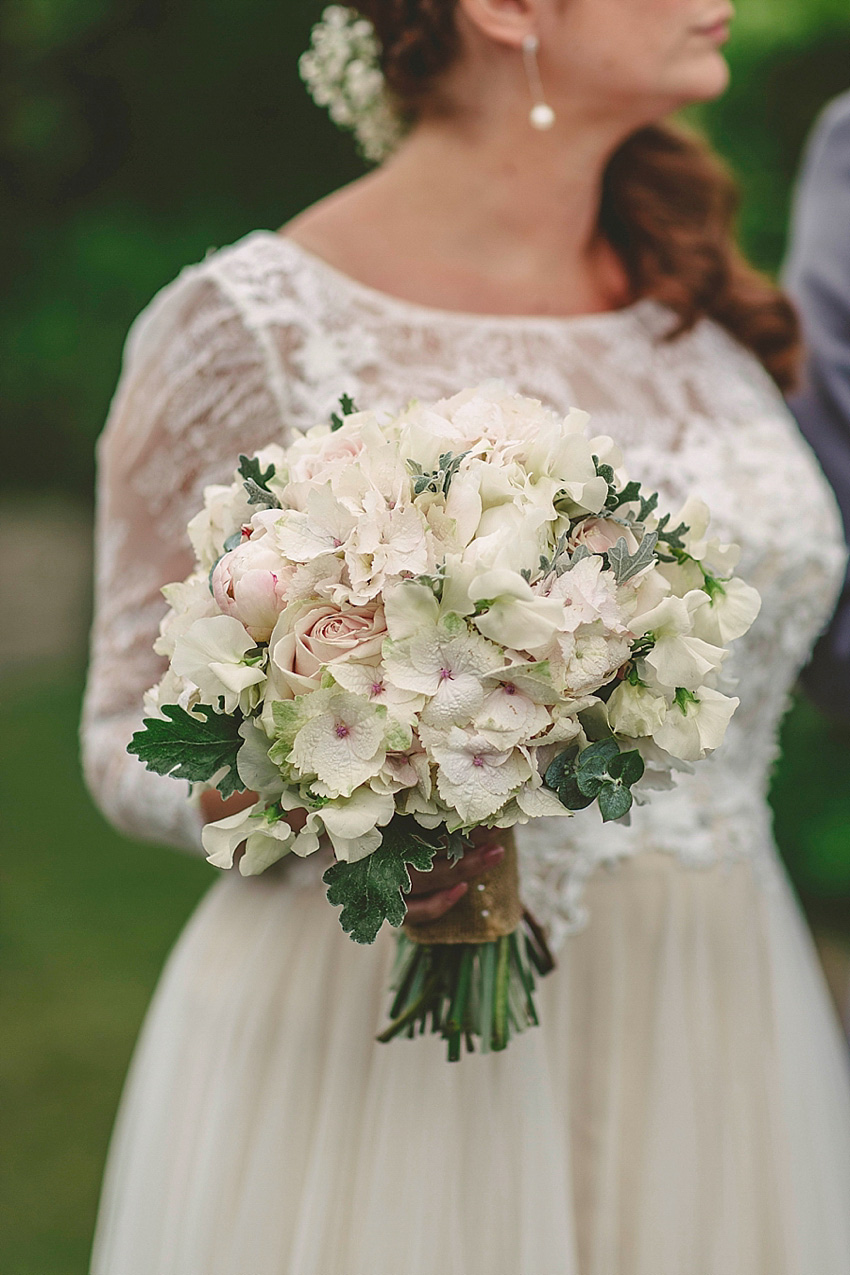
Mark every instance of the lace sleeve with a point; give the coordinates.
(195, 389)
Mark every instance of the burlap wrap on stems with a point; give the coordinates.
(481, 916)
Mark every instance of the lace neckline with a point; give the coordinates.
(416, 311)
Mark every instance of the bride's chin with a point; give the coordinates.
(707, 80)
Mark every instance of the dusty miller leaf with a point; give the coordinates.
(625, 564)
(183, 746)
(370, 891)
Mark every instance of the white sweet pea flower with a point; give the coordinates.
(677, 658)
(189, 600)
(464, 505)
(474, 776)
(733, 607)
(567, 457)
(353, 823)
(695, 723)
(266, 834)
(634, 710)
(343, 742)
(211, 654)
(516, 616)
(585, 661)
(258, 773)
(170, 689)
(719, 559)
(409, 607)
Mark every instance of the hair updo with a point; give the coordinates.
(668, 203)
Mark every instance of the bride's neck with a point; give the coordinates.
(501, 218)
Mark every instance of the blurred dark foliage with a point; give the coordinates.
(137, 134)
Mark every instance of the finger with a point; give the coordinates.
(446, 873)
(430, 907)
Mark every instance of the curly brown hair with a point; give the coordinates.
(668, 203)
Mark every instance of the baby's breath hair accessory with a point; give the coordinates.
(342, 72)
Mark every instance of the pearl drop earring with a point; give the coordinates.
(541, 116)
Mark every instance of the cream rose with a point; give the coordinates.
(307, 638)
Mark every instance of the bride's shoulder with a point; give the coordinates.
(242, 283)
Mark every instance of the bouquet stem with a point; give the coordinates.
(471, 975)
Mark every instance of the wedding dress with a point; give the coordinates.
(684, 1109)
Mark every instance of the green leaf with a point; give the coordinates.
(370, 891)
(627, 767)
(256, 482)
(629, 493)
(594, 760)
(346, 407)
(615, 800)
(648, 505)
(571, 795)
(561, 778)
(249, 468)
(560, 767)
(673, 539)
(187, 748)
(456, 845)
(626, 565)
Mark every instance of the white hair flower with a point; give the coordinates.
(342, 72)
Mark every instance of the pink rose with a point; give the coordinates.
(308, 638)
(601, 534)
(250, 584)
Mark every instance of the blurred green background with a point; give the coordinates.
(136, 135)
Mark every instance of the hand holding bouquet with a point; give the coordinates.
(409, 627)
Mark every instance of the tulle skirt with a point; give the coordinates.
(684, 1108)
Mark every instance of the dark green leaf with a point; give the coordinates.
(592, 766)
(456, 845)
(590, 785)
(629, 493)
(571, 795)
(594, 760)
(648, 505)
(560, 767)
(672, 538)
(628, 767)
(370, 891)
(346, 408)
(183, 746)
(614, 801)
(256, 482)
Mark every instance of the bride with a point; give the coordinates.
(685, 1108)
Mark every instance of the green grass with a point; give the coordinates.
(89, 918)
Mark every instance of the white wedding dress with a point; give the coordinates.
(684, 1109)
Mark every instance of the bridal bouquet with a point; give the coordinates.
(409, 627)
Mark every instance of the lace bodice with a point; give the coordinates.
(261, 338)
